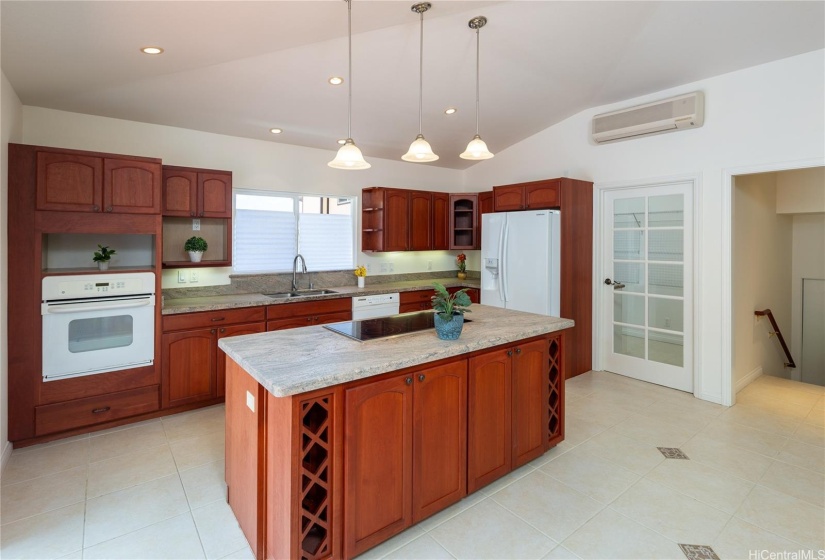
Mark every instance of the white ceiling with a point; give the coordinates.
(240, 68)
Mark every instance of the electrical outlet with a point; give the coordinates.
(384, 267)
(429, 265)
(250, 401)
(181, 277)
(667, 321)
(196, 224)
(392, 267)
(193, 276)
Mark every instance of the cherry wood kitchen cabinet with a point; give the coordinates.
(421, 221)
(191, 192)
(527, 196)
(68, 180)
(308, 313)
(406, 452)
(463, 221)
(486, 205)
(417, 300)
(190, 355)
(441, 221)
(473, 293)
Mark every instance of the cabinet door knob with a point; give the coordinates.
(408, 381)
(96, 208)
(108, 208)
(421, 377)
(191, 213)
(518, 350)
(201, 214)
(309, 319)
(212, 331)
(509, 352)
(223, 330)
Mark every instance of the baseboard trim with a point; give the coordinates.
(710, 397)
(5, 456)
(748, 379)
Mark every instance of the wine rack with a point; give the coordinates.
(555, 394)
(316, 473)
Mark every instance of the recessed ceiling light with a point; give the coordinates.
(336, 81)
(450, 110)
(151, 50)
(276, 130)
(342, 141)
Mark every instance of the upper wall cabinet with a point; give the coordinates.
(73, 182)
(400, 220)
(196, 193)
(527, 196)
(463, 221)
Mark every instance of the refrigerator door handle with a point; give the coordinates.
(501, 261)
(505, 234)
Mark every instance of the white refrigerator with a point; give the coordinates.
(520, 261)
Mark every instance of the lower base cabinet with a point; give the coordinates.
(406, 452)
(342, 469)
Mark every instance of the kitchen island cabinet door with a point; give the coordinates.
(189, 371)
(378, 464)
(439, 438)
(489, 417)
(530, 392)
(224, 332)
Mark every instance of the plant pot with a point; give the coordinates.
(195, 256)
(462, 275)
(103, 265)
(449, 330)
(360, 281)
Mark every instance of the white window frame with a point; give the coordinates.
(295, 195)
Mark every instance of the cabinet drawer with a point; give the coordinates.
(416, 296)
(414, 306)
(58, 417)
(186, 321)
(308, 308)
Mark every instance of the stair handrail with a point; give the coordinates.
(790, 363)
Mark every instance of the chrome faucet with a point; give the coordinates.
(295, 269)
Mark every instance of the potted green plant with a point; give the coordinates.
(449, 311)
(103, 256)
(196, 247)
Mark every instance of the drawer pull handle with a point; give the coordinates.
(421, 377)
(509, 352)
(408, 381)
(216, 319)
(518, 350)
(101, 410)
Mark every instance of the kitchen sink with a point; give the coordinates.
(300, 293)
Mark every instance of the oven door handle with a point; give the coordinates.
(97, 306)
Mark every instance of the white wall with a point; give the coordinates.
(768, 114)
(11, 130)
(256, 164)
(761, 278)
(801, 191)
(808, 262)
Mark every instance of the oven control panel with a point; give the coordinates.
(97, 285)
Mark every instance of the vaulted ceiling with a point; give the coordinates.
(241, 68)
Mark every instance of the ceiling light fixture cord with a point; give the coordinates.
(420, 150)
(421, 73)
(477, 148)
(478, 56)
(349, 70)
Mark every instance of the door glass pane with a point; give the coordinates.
(666, 279)
(666, 348)
(628, 308)
(665, 245)
(629, 341)
(665, 313)
(666, 211)
(99, 333)
(629, 213)
(632, 275)
(628, 245)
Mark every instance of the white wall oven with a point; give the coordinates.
(94, 323)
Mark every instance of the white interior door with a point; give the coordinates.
(647, 291)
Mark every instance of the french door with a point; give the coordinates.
(647, 301)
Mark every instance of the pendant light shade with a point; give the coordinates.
(477, 148)
(349, 156)
(420, 150)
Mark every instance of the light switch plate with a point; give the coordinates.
(250, 401)
(181, 277)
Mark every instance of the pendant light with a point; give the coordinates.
(477, 149)
(349, 156)
(420, 150)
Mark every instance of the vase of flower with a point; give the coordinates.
(461, 261)
(361, 274)
(449, 312)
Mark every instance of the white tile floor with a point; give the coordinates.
(755, 480)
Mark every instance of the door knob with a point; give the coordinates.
(408, 381)
(518, 350)
(509, 352)
(421, 377)
(616, 285)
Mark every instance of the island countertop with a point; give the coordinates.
(293, 361)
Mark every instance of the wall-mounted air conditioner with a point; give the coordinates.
(668, 115)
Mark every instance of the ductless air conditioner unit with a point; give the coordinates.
(668, 115)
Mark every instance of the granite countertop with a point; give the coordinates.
(216, 303)
(294, 361)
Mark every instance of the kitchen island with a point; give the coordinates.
(333, 446)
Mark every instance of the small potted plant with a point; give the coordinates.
(461, 260)
(361, 273)
(196, 247)
(449, 311)
(103, 256)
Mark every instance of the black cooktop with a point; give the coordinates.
(384, 327)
